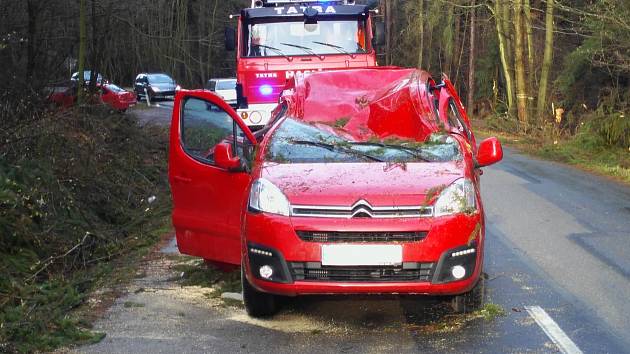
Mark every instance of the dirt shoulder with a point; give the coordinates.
(175, 304)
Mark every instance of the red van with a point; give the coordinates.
(365, 181)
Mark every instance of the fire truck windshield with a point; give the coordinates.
(271, 39)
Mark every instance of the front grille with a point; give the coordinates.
(380, 236)
(362, 209)
(314, 271)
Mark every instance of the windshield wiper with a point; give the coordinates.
(410, 151)
(338, 48)
(335, 148)
(306, 49)
(278, 51)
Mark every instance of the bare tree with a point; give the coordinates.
(519, 66)
(471, 60)
(82, 49)
(547, 60)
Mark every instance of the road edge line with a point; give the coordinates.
(552, 330)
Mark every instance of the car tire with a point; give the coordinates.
(257, 304)
(472, 300)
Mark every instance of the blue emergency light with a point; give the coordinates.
(265, 90)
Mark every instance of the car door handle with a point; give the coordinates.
(181, 179)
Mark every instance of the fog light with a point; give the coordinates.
(266, 271)
(244, 115)
(457, 271)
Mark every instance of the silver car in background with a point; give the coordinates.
(224, 88)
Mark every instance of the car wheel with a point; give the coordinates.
(472, 300)
(257, 304)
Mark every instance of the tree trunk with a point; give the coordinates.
(448, 40)
(420, 32)
(519, 66)
(211, 39)
(32, 29)
(471, 61)
(504, 50)
(94, 67)
(82, 45)
(547, 61)
(388, 29)
(531, 71)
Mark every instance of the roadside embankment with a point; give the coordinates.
(81, 190)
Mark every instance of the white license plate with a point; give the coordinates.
(361, 255)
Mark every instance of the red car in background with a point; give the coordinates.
(373, 189)
(110, 94)
(117, 98)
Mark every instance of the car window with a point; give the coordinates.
(160, 79)
(204, 125)
(226, 85)
(455, 119)
(114, 88)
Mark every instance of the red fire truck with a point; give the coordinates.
(275, 39)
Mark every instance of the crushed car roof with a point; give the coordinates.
(381, 102)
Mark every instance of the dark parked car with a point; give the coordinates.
(156, 85)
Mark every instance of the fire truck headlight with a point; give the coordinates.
(265, 90)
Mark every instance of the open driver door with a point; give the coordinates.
(210, 151)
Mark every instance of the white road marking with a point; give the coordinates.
(553, 331)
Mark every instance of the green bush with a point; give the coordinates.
(614, 128)
(74, 189)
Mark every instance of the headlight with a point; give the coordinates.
(266, 197)
(457, 198)
(155, 89)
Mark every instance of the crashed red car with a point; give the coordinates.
(110, 94)
(117, 98)
(365, 181)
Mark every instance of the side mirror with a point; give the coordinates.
(230, 39)
(224, 157)
(489, 152)
(379, 34)
(310, 16)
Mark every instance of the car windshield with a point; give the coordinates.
(226, 85)
(160, 79)
(115, 88)
(298, 38)
(300, 142)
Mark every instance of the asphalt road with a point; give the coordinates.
(558, 239)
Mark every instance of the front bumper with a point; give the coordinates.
(426, 269)
(162, 94)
